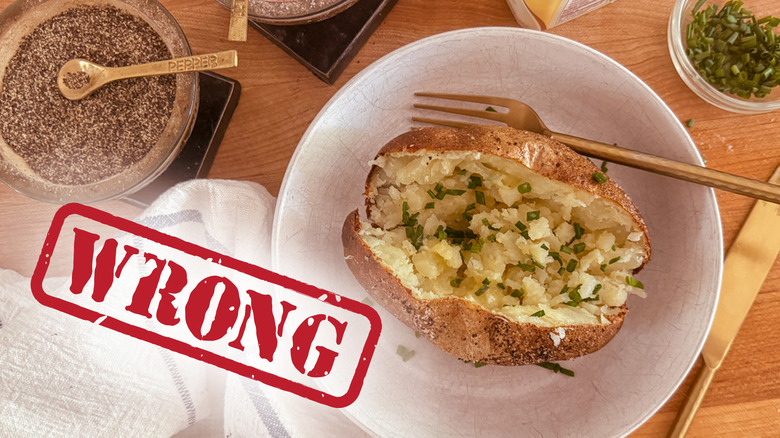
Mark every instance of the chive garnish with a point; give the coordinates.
(603, 267)
(538, 314)
(572, 265)
(690, 123)
(480, 364)
(565, 249)
(491, 238)
(455, 282)
(545, 247)
(490, 226)
(518, 293)
(556, 368)
(599, 177)
(521, 226)
(578, 248)
(484, 288)
(441, 234)
(480, 196)
(501, 286)
(556, 256)
(537, 264)
(615, 260)
(578, 230)
(561, 270)
(633, 282)
(733, 50)
(524, 188)
(430, 205)
(533, 215)
(527, 267)
(604, 166)
(474, 182)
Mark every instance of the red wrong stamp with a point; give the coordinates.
(217, 309)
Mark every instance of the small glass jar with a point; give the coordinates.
(678, 23)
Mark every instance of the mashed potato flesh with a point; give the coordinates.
(490, 230)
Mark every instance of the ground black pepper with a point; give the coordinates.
(75, 81)
(81, 142)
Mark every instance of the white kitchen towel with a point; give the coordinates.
(61, 376)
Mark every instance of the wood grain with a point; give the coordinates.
(280, 98)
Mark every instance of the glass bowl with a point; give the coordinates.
(127, 175)
(678, 22)
(292, 12)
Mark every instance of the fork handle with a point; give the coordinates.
(686, 172)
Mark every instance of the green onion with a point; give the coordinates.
(556, 368)
(578, 248)
(572, 265)
(604, 166)
(480, 364)
(480, 197)
(430, 205)
(455, 282)
(615, 260)
(578, 230)
(521, 226)
(733, 50)
(501, 286)
(474, 182)
(441, 234)
(538, 314)
(491, 238)
(533, 215)
(633, 282)
(537, 264)
(527, 267)
(524, 188)
(518, 293)
(545, 247)
(599, 177)
(484, 288)
(489, 225)
(565, 249)
(603, 267)
(690, 123)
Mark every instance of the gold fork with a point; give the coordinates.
(522, 116)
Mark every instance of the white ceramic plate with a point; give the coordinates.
(575, 90)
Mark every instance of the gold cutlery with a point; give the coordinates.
(746, 266)
(78, 78)
(239, 19)
(522, 116)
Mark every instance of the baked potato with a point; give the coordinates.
(498, 245)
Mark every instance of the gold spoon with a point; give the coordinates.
(79, 78)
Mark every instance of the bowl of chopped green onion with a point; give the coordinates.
(728, 53)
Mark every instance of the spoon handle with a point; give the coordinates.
(210, 61)
(675, 169)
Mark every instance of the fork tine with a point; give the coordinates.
(482, 114)
(450, 123)
(489, 100)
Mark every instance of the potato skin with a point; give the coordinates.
(462, 328)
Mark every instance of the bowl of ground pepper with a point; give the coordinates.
(111, 143)
(728, 53)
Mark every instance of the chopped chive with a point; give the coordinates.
(462, 172)
(527, 267)
(556, 368)
(572, 265)
(480, 196)
(491, 109)
(566, 249)
(538, 314)
(484, 288)
(490, 226)
(501, 286)
(599, 177)
(474, 182)
(431, 194)
(538, 265)
(603, 267)
(533, 215)
(604, 166)
(430, 205)
(518, 293)
(690, 123)
(441, 234)
(578, 230)
(564, 289)
(455, 282)
(561, 270)
(614, 247)
(479, 364)
(491, 238)
(545, 247)
(615, 260)
(555, 256)
(524, 188)
(578, 248)
(521, 226)
(633, 282)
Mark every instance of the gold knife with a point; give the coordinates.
(746, 266)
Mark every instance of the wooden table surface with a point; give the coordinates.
(280, 98)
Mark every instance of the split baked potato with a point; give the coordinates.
(498, 245)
